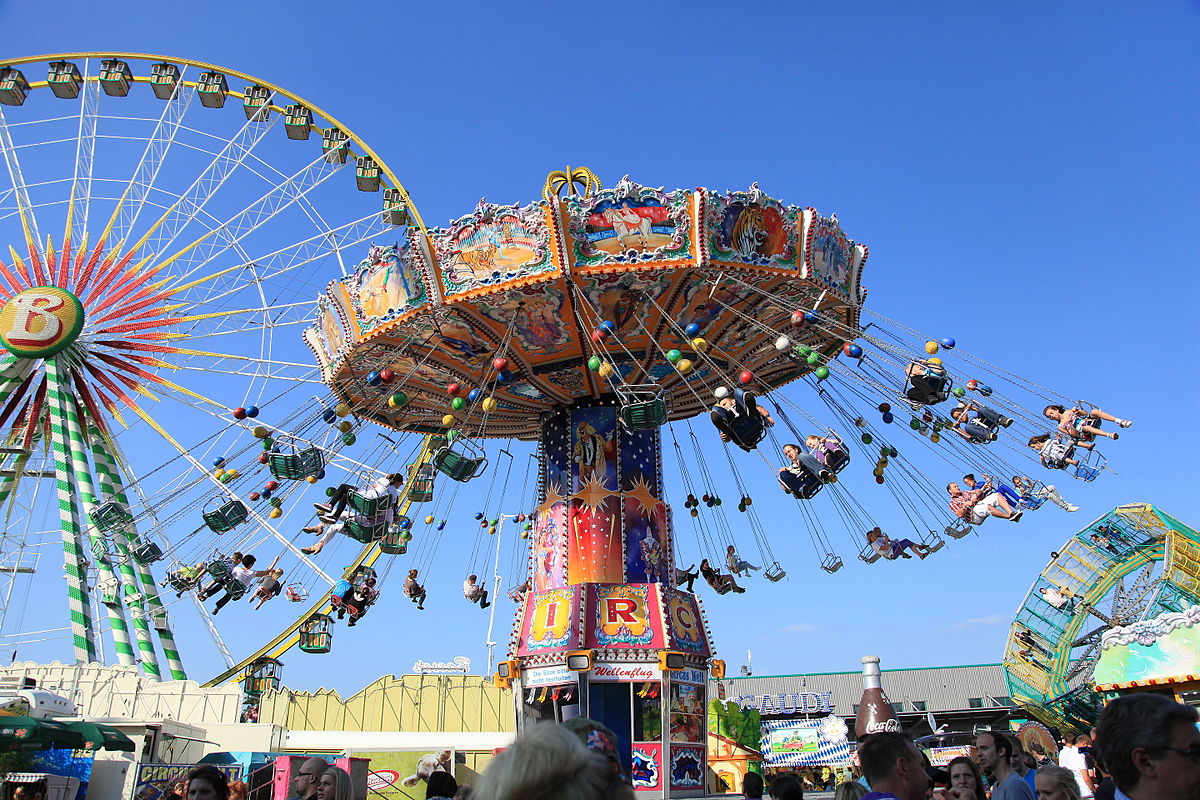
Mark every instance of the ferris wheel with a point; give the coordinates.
(168, 224)
(1130, 564)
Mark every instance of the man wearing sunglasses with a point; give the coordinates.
(307, 778)
(1151, 747)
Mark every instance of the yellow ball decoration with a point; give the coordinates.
(489, 403)
(218, 474)
(684, 366)
(276, 513)
(429, 520)
(931, 347)
(935, 437)
(232, 473)
(261, 432)
(700, 344)
(605, 370)
(448, 420)
(935, 361)
(345, 426)
(312, 479)
(341, 409)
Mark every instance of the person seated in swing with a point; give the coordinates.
(389, 485)
(231, 563)
(1047, 492)
(926, 383)
(1080, 423)
(976, 505)
(1054, 451)
(474, 592)
(326, 531)
(517, 593)
(268, 587)
(184, 578)
(740, 419)
(687, 576)
(981, 428)
(1062, 600)
(828, 450)
(738, 566)
(891, 549)
(1007, 492)
(244, 574)
(719, 581)
(802, 468)
(414, 591)
(359, 599)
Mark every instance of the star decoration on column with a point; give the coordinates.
(593, 493)
(552, 498)
(642, 493)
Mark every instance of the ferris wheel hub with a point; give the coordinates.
(40, 321)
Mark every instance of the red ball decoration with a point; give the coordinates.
(797, 317)
(454, 389)
(879, 479)
(255, 495)
(262, 458)
(271, 485)
(599, 335)
(884, 408)
(746, 377)
(387, 375)
(239, 413)
(500, 364)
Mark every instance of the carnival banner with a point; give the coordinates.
(804, 742)
(155, 780)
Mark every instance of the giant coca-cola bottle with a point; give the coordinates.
(875, 712)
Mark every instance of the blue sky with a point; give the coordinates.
(1024, 175)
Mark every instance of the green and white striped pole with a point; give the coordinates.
(113, 490)
(87, 505)
(73, 558)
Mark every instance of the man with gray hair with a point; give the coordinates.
(307, 778)
(1151, 746)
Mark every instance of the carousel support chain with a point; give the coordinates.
(86, 491)
(73, 558)
(127, 542)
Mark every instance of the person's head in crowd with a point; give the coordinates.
(548, 762)
(1017, 760)
(1056, 783)
(964, 774)
(206, 782)
(849, 790)
(787, 787)
(1083, 740)
(178, 789)
(752, 785)
(239, 790)
(308, 776)
(1151, 746)
(995, 752)
(596, 737)
(892, 763)
(30, 791)
(440, 784)
(334, 784)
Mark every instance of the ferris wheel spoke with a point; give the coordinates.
(79, 200)
(20, 189)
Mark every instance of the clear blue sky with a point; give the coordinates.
(1025, 175)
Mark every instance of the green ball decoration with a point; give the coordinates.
(458, 404)
(224, 478)
(884, 451)
(822, 373)
(594, 363)
(674, 356)
(803, 350)
(867, 438)
(915, 424)
(276, 501)
(958, 391)
(494, 523)
(813, 359)
(349, 438)
(716, 501)
(398, 400)
(452, 435)
(330, 491)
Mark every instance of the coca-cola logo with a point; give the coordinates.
(886, 726)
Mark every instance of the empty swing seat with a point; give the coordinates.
(775, 572)
(831, 563)
(394, 542)
(147, 553)
(315, 636)
(226, 516)
(957, 529)
(160, 620)
(420, 490)
(296, 466)
(933, 542)
(110, 517)
(643, 407)
(296, 593)
(458, 466)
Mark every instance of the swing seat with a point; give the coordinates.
(226, 516)
(109, 591)
(725, 588)
(1086, 472)
(643, 407)
(420, 490)
(933, 542)
(957, 529)
(110, 517)
(364, 530)
(831, 563)
(458, 466)
(302, 464)
(180, 582)
(393, 542)
(747, 431)
(219, 570)
(368, 506)
(235, 589)
(775, 573)
(160, 620)
(942, 385)
(810, 487)
(147, 553)
(838, 460)
(517, 593)
(1029, 501)
(296, 593)
(868, 554)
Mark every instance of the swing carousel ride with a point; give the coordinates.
(167, 248)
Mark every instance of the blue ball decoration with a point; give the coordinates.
(373, 379)
(478, 515)
(328, 415)
(320, 474)
(503, 377)
(692, 330)
(608, 326)
(473, 395)
(265, 494)
(405, 524)
(441, 525)
(252, 412)
(811, 317)
(887, 416)
(854, 351)
(218, 462)
(947, 343)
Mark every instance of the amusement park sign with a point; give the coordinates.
(794, 703)
(459, 664)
